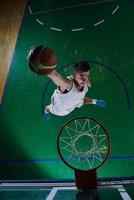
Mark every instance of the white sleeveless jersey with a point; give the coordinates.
(64, 103)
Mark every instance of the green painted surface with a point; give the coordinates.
(27, 141)
(32, 193)
(24, 194)
(102, 194)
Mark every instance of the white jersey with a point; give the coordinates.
(64, 103)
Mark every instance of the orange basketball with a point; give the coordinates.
(42, 60)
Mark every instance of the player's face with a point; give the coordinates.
(81, 78)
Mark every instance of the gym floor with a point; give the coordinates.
(98, 31)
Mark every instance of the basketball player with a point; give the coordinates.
(71, 91)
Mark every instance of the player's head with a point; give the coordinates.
(82, 66)
(81, 72)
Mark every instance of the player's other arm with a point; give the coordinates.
(62, 82)
(89, 83)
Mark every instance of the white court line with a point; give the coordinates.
(117, 7)
(24, 189)
(96, 24)
(37, 184)
(52, 194)
(78, 29)
(56, 29)
(29, 8)
(123, 193)
(40, 22)
(55, 189)
(125, 196)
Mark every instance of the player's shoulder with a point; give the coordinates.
(68, 82)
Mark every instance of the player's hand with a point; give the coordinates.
(101, 103)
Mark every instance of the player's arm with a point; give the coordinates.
(62, 82)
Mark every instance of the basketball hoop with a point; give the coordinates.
(83, 145)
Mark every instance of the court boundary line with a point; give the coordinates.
(102, 182)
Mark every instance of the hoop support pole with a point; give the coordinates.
(86, 179)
